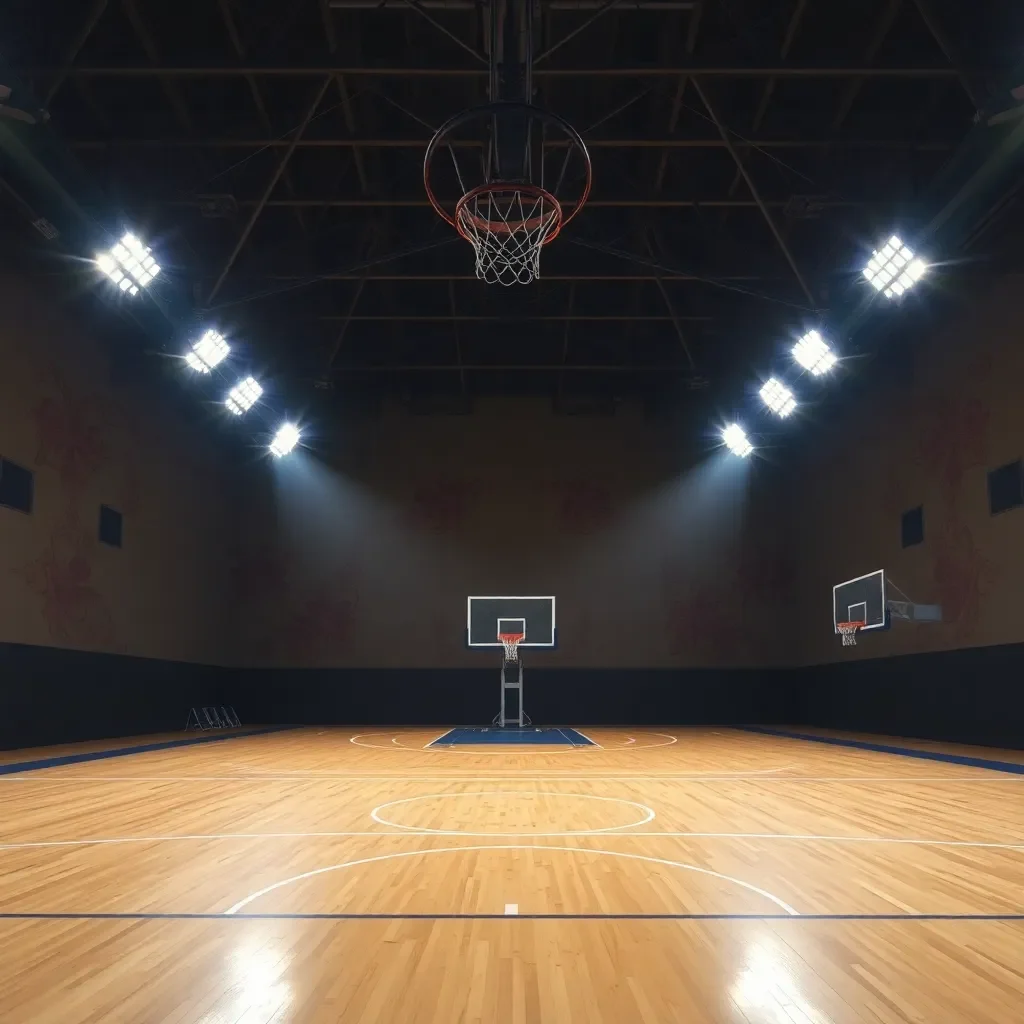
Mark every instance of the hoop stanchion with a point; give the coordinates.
(849, 632)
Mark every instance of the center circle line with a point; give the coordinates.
(648, 812)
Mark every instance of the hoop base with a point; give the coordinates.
(849, 632)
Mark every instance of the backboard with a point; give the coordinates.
(862, 599)
(488, 616)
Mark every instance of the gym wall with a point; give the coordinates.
(927, 435)
(653, 565)
(96, 639)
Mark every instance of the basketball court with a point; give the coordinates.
(699, 875)
(433, 208)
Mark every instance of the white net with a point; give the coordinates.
(511, 643)
(849, 632)
(508, 229)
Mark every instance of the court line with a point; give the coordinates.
(754, 776)
(450, 748)
(601, 746)
(1011, 767)
(553, 774)
(447, 748)
(494, 738)
(187, 916)
(59, 761)
(464, 849)
(346, 834)
(419, 830)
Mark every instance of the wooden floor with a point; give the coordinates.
(704, 876)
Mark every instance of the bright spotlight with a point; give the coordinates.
(128, 264)
(736, 441)
(286, 438)
(243, 396)
(778, 397)
(813, 354)
(894, 269)
(207, 352)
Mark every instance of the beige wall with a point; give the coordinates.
(928, 440)
(652, 564)
(89, 441)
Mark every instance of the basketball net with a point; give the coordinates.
(511, 642)
(849, 632)
(507, 227)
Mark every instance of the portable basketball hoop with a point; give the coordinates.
(511, 642)
(526, 175)
(848, 630)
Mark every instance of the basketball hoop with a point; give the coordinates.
(523, 179)
(849, 632)
(508, 225)
(511, 643)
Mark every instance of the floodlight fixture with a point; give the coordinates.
(207, 352)
(735, 438)
(286, 438)
(129, 264)
(778, 397)
(813, 354)
(243, 396)
(894, 268)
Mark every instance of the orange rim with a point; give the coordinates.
(505, 229)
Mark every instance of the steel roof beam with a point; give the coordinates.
(705, 71)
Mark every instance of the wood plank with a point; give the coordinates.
(743, 824)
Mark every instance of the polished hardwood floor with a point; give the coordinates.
(685, 876)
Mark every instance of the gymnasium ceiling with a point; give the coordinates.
(745, 154)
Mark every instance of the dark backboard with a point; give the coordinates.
(483, 613)
(861, 599)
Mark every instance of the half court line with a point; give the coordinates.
(225, 916)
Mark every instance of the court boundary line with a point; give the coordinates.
(224, 916)
(60, 760)
(1010, 767)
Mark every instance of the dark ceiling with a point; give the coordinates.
(744, 154)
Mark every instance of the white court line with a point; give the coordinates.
(779, 836)
(437, 739)
(464, 849)
(511, 908)
(596, 744)
(766, 775)
(647, 812)
(454, 749)
(553, 773)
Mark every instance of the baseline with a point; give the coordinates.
(437, 745)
